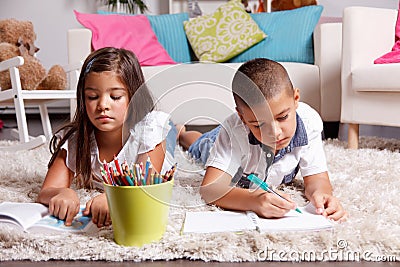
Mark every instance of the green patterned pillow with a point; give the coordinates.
(224, 34)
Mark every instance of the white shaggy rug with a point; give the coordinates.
(366, 180)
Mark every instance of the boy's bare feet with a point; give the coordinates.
(181, 129)
(186, 138)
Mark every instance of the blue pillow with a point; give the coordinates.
(289, 35)
(171, 34)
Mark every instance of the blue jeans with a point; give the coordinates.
(170, 140)
(200, 149)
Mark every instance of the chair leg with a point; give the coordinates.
(25, 141)
(72, 108)
(353, 133)
(21, 119)
(44, 116)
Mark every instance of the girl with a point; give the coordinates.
(114, 118)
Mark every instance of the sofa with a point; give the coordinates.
(199, 93)
(370, 92)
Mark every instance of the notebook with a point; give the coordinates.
(234, 221)
(35, 217)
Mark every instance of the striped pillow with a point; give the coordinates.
(290, 35)
(171, 34)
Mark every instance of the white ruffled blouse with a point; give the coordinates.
(144, 137)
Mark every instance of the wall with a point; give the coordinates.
(52, 19)
(334, 8)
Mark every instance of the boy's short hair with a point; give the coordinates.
(258, 80)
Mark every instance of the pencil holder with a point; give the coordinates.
(139, 214)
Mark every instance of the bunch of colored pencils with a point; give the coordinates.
(135, 174)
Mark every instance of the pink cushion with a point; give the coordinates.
(391, 57)
(130, 32)
(394, 55)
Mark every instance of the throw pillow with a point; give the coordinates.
(290, 35)
(394, 55)
(171, 34)
(223, 34)
(130, 32)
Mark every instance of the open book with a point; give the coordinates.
(232, 221)
(35, 217)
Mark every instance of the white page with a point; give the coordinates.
(80, 224)
(231, 221)
(34, 217)
(308, 220)
(23, 214)
(216, 221)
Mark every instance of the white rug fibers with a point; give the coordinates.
(366, 180)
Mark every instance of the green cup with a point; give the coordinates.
(139, 214)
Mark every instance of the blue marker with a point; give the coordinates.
(263, 185)
(146, 173)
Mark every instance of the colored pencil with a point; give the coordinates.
(135, 174)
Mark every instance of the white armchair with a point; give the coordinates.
(370, 92)
(19, 98)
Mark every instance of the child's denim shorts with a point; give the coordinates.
(170, 140)
(200, 149)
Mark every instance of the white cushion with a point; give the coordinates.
(377, 78)
(203, 90)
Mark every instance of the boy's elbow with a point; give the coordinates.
(213, 193)
(215, 185)
(206, 194)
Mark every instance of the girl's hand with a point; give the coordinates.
(328, 206)
(65, 205)
(271, 206)
(98, 207)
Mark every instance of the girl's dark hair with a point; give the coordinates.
(126, 65)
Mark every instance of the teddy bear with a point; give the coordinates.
(278, 5)
(17, 38)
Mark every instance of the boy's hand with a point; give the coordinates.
(65, 205)
(328, 206)
(98, 207)
(271, 206)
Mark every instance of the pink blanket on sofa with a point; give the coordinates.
(394, 55)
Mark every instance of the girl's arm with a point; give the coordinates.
(318, 190)
(63, 202)
(216, 189)
(157, 156)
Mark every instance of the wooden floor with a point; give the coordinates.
(35, 129)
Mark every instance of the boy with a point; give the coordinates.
(273, 136)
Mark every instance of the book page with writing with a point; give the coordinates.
(22, 215)
(308, 220)
(216, 221)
